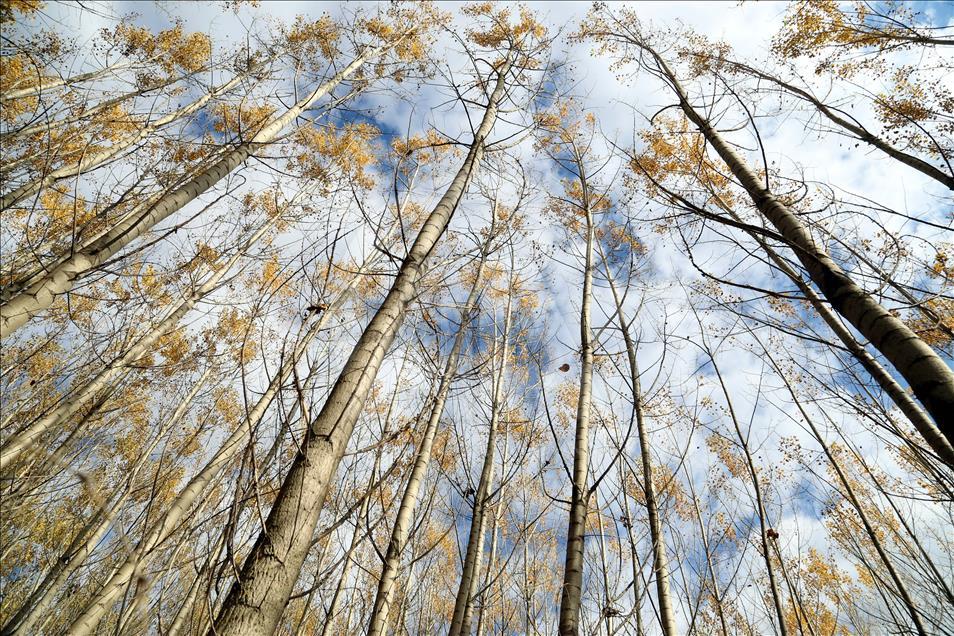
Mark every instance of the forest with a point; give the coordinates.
(325, 318)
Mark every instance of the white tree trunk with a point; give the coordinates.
(38, 89)
(902, 399)
(86, 540)
(128, 570)
(470, 574)
(257, 600)
(95, 160)
(849, 493)
(20, 442)
(930, 378)
(402, 523)
(60, 279)
(579, 502)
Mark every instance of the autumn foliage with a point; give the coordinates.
(455, 319)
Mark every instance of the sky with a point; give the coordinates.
(621, 105)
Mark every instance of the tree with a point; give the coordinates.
(272, 568)
(59, 279)
(930, 378)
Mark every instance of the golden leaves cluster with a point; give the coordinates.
(572, 209)
(234, 333)
(273, 280)
(935, 332)
(502, 26)
(246, 119)
(910, 105)
(563, 125)
(722, 448)
(702, 55)
(228, 407)
(407, 30)
(617, 236)
(827, 593)
(314, 38)
(10, 10)
(567, 399)
(845, 38)
(170, 48)
(17, 71)
(347, 150)
(424, 148)
(674, 154)
(60, 212)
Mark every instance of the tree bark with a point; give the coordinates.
(849, 492)
(854, 128)
(33, 91)
(182, 621)
(710, 566)
(489, 575)
(759, 500)
(49, 125)
(634, 558)
(356, 539)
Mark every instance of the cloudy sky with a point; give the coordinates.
(791, 142)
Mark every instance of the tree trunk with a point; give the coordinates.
(634, 559)
(575, 544)
(33, 91)
(180, 627)
(901, 398)
(402, 523)
(849, 493)
(916, 303)
(657, 538)
(930, 378)
(26, 266)
(95, 160)
(759, 500)
(607, 605)
(27, 303)
(854, 128)
(356, 539)
(28, 479)
(50, 125)
(182, 622)
(89, 536)
(257, 600)
(470, 573)
(716, 593)
(18, 443)
(162, 528)
(489, 575)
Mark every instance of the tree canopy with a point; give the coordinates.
(493, 318)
